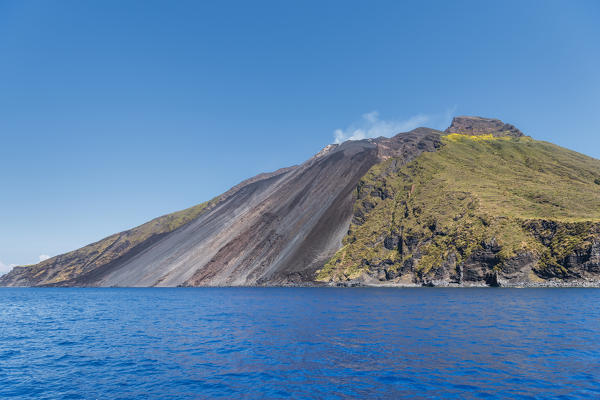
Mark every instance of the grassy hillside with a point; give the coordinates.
(477, 192)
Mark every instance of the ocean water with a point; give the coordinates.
(299, 343)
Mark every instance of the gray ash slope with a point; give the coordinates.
(274, 229)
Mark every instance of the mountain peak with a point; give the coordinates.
(468, 125)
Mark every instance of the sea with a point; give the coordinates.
(299, 343)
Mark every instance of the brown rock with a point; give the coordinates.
(482, 126)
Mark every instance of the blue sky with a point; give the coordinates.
(115, 112)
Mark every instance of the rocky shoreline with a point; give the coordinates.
(515, 285)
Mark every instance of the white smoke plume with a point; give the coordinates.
(371, 126)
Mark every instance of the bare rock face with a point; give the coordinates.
(476, 126)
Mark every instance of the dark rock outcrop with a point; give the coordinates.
(482, 126)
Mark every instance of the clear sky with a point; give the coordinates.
(115, 112)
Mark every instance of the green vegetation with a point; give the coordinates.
(475, 192)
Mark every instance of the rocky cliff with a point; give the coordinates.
(479, 204)
(476, 126)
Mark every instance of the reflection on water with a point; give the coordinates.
(299, 343)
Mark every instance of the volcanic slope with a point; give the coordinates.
(274, 229)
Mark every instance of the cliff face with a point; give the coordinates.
(481, 204)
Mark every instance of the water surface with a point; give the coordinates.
(299, 343)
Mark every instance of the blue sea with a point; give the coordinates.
(279, 343)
